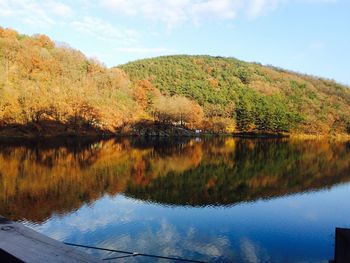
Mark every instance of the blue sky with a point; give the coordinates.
(309, 36)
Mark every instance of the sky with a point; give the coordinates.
(307, 36)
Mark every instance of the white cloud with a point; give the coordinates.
(176, 12)
(144, 50)
(58, 8)
(38, 13)
(252, 252)
(171, 13)
(257, 7)
(103, 30)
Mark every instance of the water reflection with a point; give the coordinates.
(39, 179)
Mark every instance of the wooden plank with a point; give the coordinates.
(22, 243)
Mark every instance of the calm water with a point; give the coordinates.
(218, 200)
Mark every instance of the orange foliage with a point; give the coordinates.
(43, 82)
(178, 109)
(213, 83)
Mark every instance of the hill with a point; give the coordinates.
(256, 97)
(48, 89)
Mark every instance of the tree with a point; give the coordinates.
(10, 110)
(244, 114)
(177, 109)
(44, 41)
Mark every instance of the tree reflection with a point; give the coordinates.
(38, 179)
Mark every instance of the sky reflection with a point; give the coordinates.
(289, 229)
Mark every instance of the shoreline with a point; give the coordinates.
(238, 135)
(52, 130)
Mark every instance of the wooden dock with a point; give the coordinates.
(19, 243)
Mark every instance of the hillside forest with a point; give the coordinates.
(51, 89)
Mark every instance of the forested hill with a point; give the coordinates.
(48, 90)
(256, 97)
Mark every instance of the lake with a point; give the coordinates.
(210, 199)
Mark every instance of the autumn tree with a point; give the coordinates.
(144, 93)
(178, 109)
